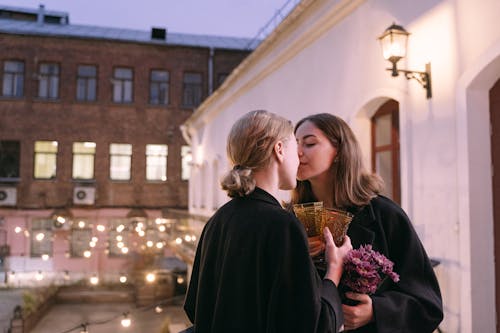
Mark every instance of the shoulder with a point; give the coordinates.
(382, 205)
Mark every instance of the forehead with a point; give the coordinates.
(307, 129)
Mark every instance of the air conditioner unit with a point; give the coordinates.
(8, 196)
(83, 195)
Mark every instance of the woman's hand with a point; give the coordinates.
(316, 245)
(360, 314)
(335, 256)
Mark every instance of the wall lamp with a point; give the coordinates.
(394, 41)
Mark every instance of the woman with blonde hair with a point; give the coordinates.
(331, 170)
(252, 270)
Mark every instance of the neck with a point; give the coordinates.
(267, 180)
(322, 188)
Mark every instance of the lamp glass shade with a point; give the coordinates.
(394, 41)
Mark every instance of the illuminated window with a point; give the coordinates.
(45, 159)
(156, 162)
(86, 83)
(159, 86)
(123, 85)
(192, 90)
(83, 160)
(120, 161)
(13, 79)
(41, 237)
(48, 84)
(186, 158)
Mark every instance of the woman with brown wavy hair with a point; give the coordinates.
(331, 170)
(252, 270)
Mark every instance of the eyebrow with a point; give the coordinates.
(308, 136)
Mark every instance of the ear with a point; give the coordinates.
(279, 151)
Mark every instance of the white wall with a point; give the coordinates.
(327, 58)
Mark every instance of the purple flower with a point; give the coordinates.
(364, 270)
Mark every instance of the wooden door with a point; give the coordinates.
(495, 160)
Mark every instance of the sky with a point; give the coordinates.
(238, 18)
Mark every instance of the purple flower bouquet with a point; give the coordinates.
(365, 269)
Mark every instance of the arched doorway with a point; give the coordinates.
(494, 98)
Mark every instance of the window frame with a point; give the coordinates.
(390, 107)
(187, 87)
(122, 85)
(48, 232)
(154, 83)
(86, 79)
(75, 155)
(14, 79)
(121, 154)
(45, 153)
(53, 88)
(8, 152)
(148, 156)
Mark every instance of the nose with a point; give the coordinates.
(299, 151)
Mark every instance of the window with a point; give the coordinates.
(86, 83)
(221, 78)
(158, 93)
(156, 162)
(83, 160)
(122, 85)
(9, 159)
(13, 79)
(192, 90)
(186, 159)
(120, 161)
(48, 85)
(385, 148)
(41, 237)
(118, 240)
(81, 237)
(45, 159)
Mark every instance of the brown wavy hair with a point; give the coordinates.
(353, 185)
(250, 146)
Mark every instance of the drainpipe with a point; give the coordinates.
(211, 72)
(40, 18)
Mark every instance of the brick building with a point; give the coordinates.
(89, 133)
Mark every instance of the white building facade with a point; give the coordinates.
(325, 57)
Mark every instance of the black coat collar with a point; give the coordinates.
(260, 194)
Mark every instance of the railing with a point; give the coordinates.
(269, 27)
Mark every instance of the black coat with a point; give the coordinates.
(253, 273)
(412, 305)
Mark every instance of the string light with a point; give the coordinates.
(87, 254)
(162, 228)
(149, 243)
(40, 236)
(150, 277)
(180, 280)
(123, 279)
(101, 228)
(84, 328)
(94, 280)
(119, 238)
(126, 322)
(39, 276)
(45, 257)
(18, 230)
(178, 240)
(124, 250)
